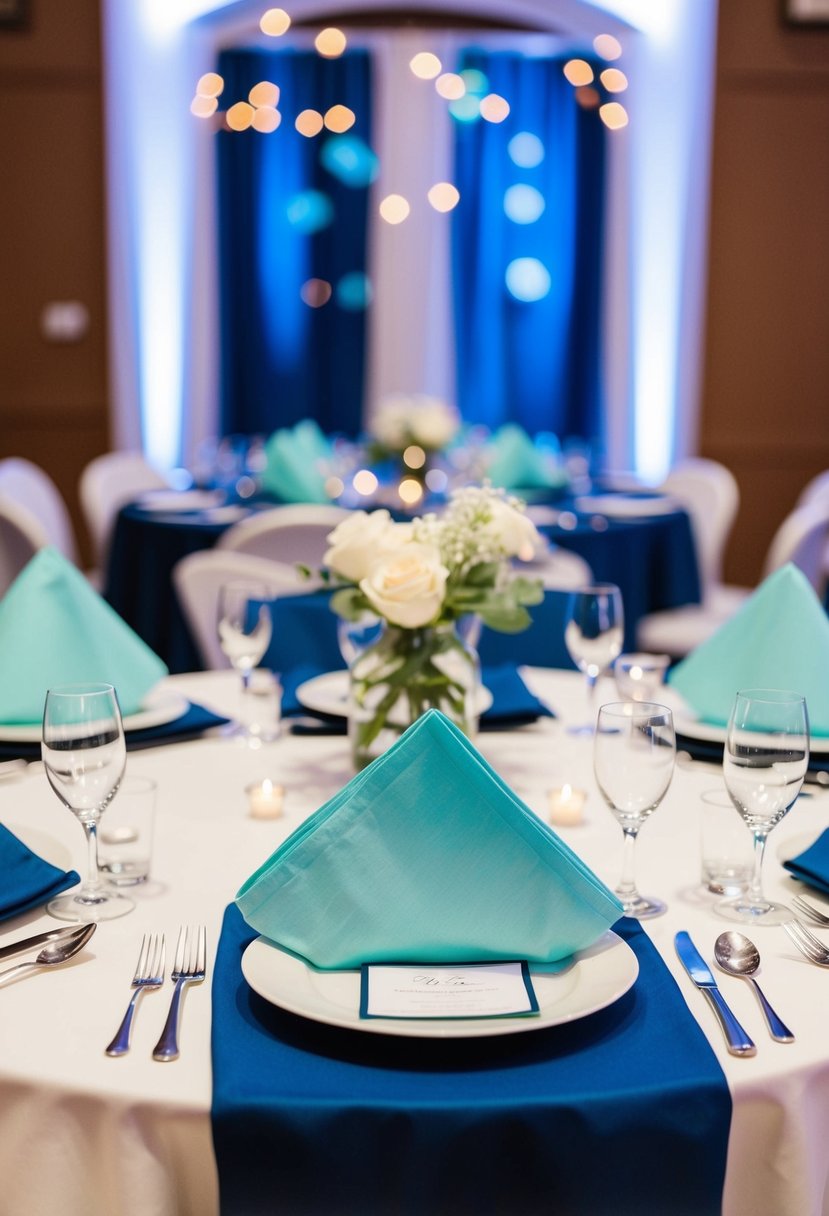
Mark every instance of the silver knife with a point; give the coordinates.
(32, 943)
(739, 1044)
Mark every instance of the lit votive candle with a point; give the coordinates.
(265, 800)
(567, 805)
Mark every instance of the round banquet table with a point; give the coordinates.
(81, 1133)
(651, 558)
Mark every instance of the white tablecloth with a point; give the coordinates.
(84, 1134)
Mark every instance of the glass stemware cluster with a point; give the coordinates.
(593, 635)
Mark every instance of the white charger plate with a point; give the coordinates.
(159, 707)
(598, 977)
(328, 694)
(685, 724)
(180, 500)
(626, 506)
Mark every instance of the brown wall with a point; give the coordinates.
(766, 380)
(53, 396)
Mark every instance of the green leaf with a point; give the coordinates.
(349, 603)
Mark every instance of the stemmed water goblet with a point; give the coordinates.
(633, 759)
(593, 635)
(84, 755)
(765, 758)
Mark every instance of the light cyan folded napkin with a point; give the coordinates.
(426, 856)
(779, 638)
(516, 463)
(294, 458)
(56, 629)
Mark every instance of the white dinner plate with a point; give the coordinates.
(626, 506)
(598, 977)
(328, 694)
(159, 707)
(685, 724)
(180, 500)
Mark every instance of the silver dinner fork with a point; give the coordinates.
(806, 909)
(806, 942)
(189, 967)
(149, 973)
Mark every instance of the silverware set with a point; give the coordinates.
(189, 967)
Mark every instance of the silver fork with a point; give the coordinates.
(807, 943)
(807, 909)
(188, 968)
(149, 973)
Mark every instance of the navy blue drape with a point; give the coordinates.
(282, 360)
(534, 362)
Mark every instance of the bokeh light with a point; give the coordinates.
(394, 209)
(315, 293)
(475, 81)
(350, 160)
(275, 22)
(364, 482)
(466, 109)
(266, 119)
(330, 42)
(353, 292)
(494, 108)
(414, 456)
(607, 46)
(450, 85)
(264, 94)
(614, 80)
(527, 279)
(240, 116)
(339, 118)
(334, 486)
(614, 115)
(203, 107)
(310, 211)
(309, 122)
(437, 480)
(523, 204)
(578, 71)
(443, 196)
(588, 97)
(425, 65)
(410, 491)
(525, 150)
(210, 85)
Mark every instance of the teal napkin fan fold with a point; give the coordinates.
(426, 855)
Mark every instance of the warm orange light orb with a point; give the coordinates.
(315, 293)
(210, 85)
(494, 108)
(614, 80)
(275, 22)
(607, 46)
(240, 116)
(414, 456)
(203, 107)
(309, 122)
(425, 65)
(394, 209)
(613, 115)
(339, 119)
(266, 119)
(410, 491)
(264, 94)
(330, 42)
(450, 85)
(578, 71)
(364, 482)
(443, 196)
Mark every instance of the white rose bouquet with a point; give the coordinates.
(421, 578)
(402, 421)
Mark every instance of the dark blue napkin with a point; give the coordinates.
(26, 880)
(194, 722)
(626, 1111)
(812, 865)
(711, 750)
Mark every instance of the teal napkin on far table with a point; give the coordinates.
(426, 855)
(812, 865)
(515, 462)
(26, 880)
(56, 629)
(778, 639)
(295, 460)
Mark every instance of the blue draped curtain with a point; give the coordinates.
(282, 360)
(533, 361)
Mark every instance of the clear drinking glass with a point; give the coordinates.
(85, 755)
(633, 759)
(765, 758)
(244, 624)
(593, 635)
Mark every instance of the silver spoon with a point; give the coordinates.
(736, 955)
(57, 951)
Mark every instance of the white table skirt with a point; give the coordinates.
(84, 1134)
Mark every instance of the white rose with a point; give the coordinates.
(390, 425)
(407, 587)
(433, 423)
(516, 534)
(357, 541)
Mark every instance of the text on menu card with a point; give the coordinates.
(446, 990)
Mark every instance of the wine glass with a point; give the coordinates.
(244, 624)
(593, 635)
(765, 758)
(633, 759)
(84, 755)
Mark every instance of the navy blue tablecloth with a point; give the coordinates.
(625, 1112)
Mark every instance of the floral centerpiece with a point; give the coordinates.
(424, 580)
(405, 423)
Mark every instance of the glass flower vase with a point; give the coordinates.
(401, 676)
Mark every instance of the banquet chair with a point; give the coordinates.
(198, 578)
(21, 536)
(816, 490)
(294, 533)
(107, 483)
(30, 487)
(558, 569)
(709, 493)
(801, 539)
